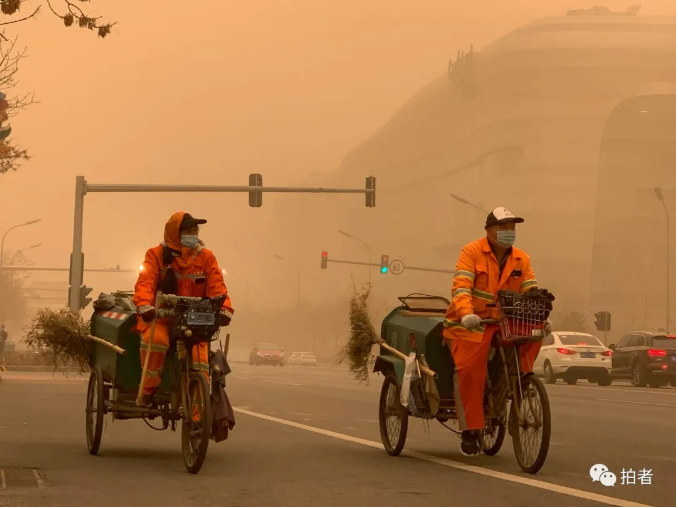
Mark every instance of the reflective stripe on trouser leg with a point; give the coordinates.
(200, 357)
(157, 358)
(528, 355)
(470, 361)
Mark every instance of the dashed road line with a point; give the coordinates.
(3, 483)
(638, 402)
(639, 391)
(560, 489)
(280, 382)
(38, 478)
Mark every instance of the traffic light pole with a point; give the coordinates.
(82, 188)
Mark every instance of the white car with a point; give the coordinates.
(573, 355)
(295, 358)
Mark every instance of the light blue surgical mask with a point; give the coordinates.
(189, 241)
(506, 238)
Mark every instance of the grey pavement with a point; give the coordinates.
(309, 437)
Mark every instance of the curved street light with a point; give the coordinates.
(660, 196)
(23, 250)
(2, 244)
(467, 202)
(369, 251)
(298, 277)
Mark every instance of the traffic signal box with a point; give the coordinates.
(384, 264)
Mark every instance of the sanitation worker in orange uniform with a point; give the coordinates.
(181, 265)
(485, 267)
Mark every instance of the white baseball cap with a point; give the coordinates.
(501, 215)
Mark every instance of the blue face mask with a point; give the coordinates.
(189, 241)
(506, 238)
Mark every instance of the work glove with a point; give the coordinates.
(548, 328)
(470, 321)
(225, 318)
(147, 313)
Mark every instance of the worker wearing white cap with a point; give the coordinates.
(485, 267)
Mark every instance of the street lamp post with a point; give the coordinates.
(247, 285)
(2, 244)
(660, 197)
(298, 290)
(298, 278)
(369, 252)
(23, 250)
(466, 202)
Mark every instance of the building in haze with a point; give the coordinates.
(569, 122)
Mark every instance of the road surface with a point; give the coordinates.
(309, 437)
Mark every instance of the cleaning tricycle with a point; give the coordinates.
(412, 341)
(116, 371)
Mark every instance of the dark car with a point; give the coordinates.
(645, 358)
(267, 353)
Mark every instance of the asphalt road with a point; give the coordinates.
(309, 437)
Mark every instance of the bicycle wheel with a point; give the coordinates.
(492, 437)
(531, 433)
(393, 417)
(94, 411)
(196, 426)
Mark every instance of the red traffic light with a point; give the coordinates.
(325, 254)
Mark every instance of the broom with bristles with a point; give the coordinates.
(60, 336)
(358, 348)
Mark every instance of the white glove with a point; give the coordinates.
(470, 321)
(548, 328)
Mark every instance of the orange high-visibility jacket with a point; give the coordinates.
(476, 283)
(197, 270)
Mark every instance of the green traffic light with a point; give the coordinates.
(384, 269)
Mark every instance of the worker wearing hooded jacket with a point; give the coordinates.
(485, 267)
(182, 264)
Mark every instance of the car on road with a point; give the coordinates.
(267, 353)
(302, 358)
(645, 358)
(571, 356)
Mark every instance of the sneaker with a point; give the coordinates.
(469, 444)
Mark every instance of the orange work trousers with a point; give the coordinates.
(159, 349)
(470, 360)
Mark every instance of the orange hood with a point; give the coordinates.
(172, 237)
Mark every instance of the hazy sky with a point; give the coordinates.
(210, 93)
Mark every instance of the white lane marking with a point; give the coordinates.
(560, 489)
(242, 378)
(621, 390)
(281, 382)
(638, 402)
(658, 457)
(38, 478)
(3, 484)
(300, 414)
(365, 421)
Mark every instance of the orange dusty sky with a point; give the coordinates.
(211, 93)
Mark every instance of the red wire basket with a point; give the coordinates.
(522, 317)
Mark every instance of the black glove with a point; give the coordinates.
(147, 313)
(225, 319)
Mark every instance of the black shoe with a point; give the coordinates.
(147, 400)
(469, 443)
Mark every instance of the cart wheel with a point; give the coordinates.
(393, 417)
(531, 436)
(94, 411)
(197, 426)
(492, 437)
